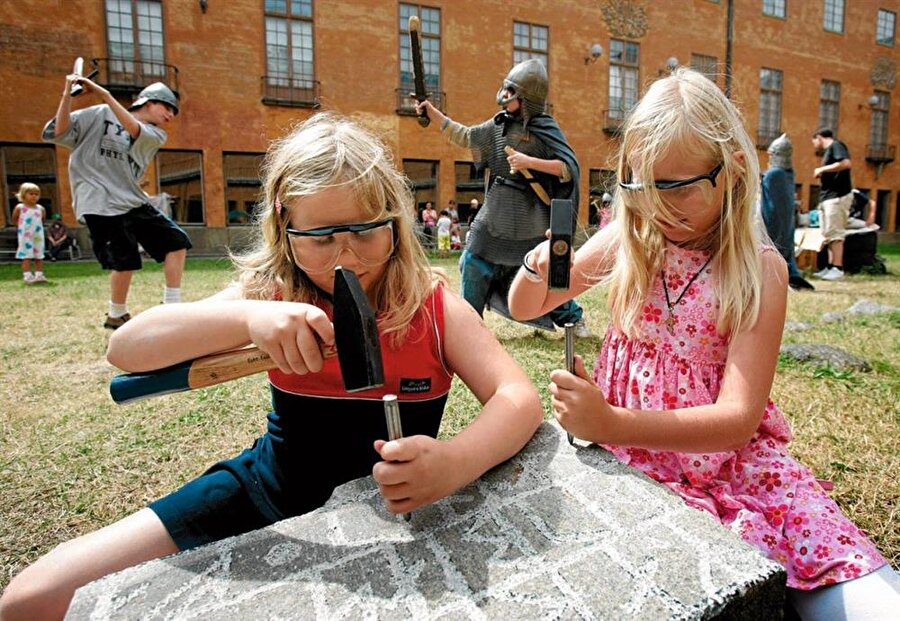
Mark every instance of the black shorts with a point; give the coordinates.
(115, 239)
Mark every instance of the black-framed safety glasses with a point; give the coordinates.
(665, 184)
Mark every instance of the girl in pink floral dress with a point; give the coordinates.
(681, 385)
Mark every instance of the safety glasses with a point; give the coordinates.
(664, 184)
(318, 250)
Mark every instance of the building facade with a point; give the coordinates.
(246, 70)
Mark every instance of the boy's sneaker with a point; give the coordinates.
(28, 278)
(39, 277)
(116, 322)
(834, 274)
(581, 330)
(821, 273)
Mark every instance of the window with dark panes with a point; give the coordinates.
(829, 104)
(135, 42)
(878, 130)
(28, 164)
(774, 8)
(469, 185)
(770, 81)
(243, 185)
(423, 176)
(180, 185)
(834, 16)
(884, 27)
(623, 77)
(531, 41)
(290, 68)
(430, 40)
(707, 65)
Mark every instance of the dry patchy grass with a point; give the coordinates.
(71, 461)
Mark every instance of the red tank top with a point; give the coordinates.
(414, 371)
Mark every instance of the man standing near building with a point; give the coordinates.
(835, 198)
(111, 149)
(512, 219)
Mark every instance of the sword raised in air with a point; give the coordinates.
(415, 47)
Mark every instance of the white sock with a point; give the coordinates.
(117, 310)
(172, 295)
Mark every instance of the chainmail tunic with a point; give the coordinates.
(512, 220)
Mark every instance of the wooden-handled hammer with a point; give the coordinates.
(356, 339)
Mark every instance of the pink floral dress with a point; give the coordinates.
(759, 491)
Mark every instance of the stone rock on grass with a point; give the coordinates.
(825, 355)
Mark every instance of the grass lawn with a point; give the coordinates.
(72, 461)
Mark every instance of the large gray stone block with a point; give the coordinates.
(556, 532)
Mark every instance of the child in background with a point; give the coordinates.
(681, 386)
(58, 236)
(332, 197)
(29, 218)
(443, 233)
(455, 232)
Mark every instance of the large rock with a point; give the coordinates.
(825, 355)
(556, 532)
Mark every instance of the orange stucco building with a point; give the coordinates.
(246, 70)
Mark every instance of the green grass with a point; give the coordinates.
(71, 461)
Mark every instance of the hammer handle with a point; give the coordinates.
(197, 373)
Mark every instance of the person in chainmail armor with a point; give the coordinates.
(513, 219)
(777, 206)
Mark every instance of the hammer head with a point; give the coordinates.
(356, 334)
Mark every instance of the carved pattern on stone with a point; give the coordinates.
(625, 18)
(525, 541)
(884, 73)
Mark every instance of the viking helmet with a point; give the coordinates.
(156, 92)
(780, 152)
(529, 83)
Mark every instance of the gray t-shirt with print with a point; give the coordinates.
(106, 164)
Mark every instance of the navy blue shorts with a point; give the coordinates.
(281, 476)
(115, 239)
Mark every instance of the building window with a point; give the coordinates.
(878, 130)
(430, 40)
(423, 176)
(707, 65)
(33, 164)
(829, 104)
(834, 16)
(290, 68)
(243, 186)
(623, 77)
(530, 41)
(884, 28)
(135, 42)
(769, 106)
(469, 185)
(774, 8)
(180, 191)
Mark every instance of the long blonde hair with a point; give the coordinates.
(323, 152)
(687, 112)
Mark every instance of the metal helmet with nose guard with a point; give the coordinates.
(528, 82)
